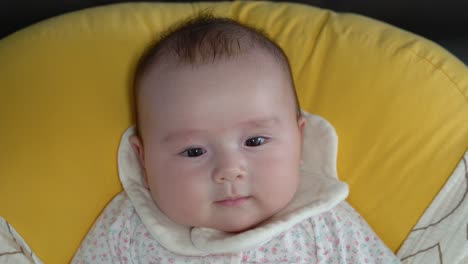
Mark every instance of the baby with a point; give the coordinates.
(218, 151)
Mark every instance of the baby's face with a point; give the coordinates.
(222, 143)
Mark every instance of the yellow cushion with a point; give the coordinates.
(399, 104)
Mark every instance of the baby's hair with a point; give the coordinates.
(207, 39)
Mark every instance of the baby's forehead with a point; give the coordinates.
(252, 86)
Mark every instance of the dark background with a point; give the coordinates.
(445, 22)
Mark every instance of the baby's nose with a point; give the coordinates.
(228, 175)
(229, 169)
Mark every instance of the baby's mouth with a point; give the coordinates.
(233, 201)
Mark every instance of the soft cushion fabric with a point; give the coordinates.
(398, 102)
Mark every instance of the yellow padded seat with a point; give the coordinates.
(399, 104)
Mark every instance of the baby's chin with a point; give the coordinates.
(243, 222)
(240, 224)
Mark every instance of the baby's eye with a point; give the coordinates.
(255, 141)
(193, 152)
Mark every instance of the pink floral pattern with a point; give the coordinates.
(339, 235)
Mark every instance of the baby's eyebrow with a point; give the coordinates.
(181, 134)
(253, 123)
(262, 122)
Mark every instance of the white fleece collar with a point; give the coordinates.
(319, 191)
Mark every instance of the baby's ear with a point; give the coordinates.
(301, 123)
(137, 147)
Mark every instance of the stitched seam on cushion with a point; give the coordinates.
(317, 41)
(319, 35)
(439, 68)
(352, 34)
(435, 67)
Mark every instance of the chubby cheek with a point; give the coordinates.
(179, 191)
(277, 177)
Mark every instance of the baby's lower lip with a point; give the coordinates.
(233, 202)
